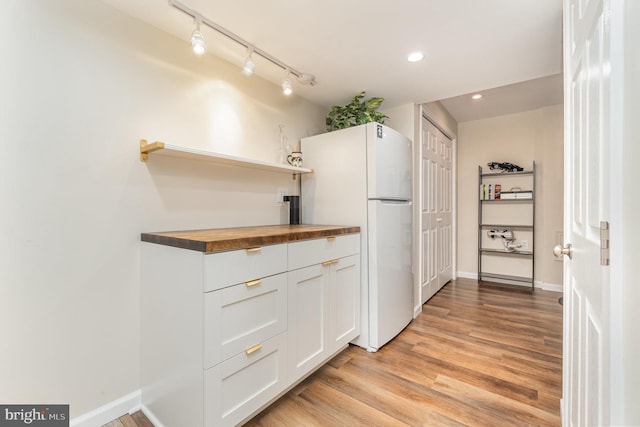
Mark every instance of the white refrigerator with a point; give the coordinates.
(363, 176)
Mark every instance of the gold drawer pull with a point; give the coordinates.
(331, 238)
(252, 250)
(327, 263)
(253, 282)
(253, 349)
(335, 261)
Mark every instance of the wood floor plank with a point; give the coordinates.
(375, 388)
(400, 361)
(514, 341)
(522, 414)
(127, 421)
(346, 409)
(140, 419)
(490, 366)
(537, 357)
(514, 390)
(412, 401)
(294, 411)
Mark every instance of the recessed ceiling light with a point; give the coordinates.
(415, 57)
(477, 96)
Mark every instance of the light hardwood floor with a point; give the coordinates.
(476, 355)
(137, 419)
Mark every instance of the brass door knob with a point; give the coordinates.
(559, 250)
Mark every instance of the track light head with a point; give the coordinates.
(199, 47)
(197, 40)
(249, 66)
(286, 85)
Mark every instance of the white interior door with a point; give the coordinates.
(444, 220)
(429, 235)
(436, 210)
(586, 370)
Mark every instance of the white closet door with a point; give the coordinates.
(444, 217)
(436, 210)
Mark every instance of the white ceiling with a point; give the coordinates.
(356, 45)
(514, 98)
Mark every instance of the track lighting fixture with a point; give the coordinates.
(286, 85)
(199, 47)
(249, 66)
(197, 39)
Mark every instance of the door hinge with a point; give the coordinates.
(604, 243)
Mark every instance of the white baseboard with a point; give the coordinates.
(130, 403)
(416, 311)
(538, 284)
(151, 417)
(466, 275)
(548, 286)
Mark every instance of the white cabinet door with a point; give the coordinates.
(308, 319)
(345, 300)
(241, 316)
(240, 385)
(224, 269)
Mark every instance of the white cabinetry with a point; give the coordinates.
(217, 328)
(324, 300)
(309, 309)
(345, 300)
(245, 329)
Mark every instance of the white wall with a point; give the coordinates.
(403, 119)
(81, 84)
(516, 138)
(438, 114)
(406, 119)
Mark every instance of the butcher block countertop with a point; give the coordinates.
(227, 239)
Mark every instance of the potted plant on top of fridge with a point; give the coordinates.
(356, 112)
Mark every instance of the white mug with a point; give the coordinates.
(295, 158)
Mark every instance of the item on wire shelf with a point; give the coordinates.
(508, 239)
(505, 166)
(515, 193)
(497, 192)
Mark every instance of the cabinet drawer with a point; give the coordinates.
(315, 251)
(241, 316)
(229, 268)
(239, 386)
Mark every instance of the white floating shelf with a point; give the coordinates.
(168, 150)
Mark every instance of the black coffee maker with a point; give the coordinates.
(294, 209)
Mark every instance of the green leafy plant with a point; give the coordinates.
(356, 112)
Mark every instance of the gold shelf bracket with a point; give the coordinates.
(295, 174)
(146, 148)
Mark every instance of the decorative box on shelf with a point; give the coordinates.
(516, 195)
